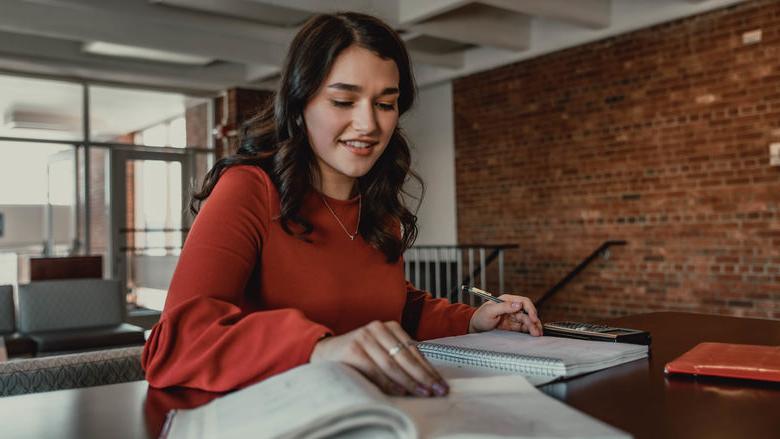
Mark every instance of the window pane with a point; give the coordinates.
(155, 218)
(150, 118)
(37, 201)
(177, 132)
(40, 109)
(24, 173)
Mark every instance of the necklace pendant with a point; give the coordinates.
(357, 228)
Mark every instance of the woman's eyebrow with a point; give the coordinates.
(357, 88)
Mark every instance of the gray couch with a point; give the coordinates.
(75, 314)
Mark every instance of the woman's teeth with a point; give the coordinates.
(357, 144)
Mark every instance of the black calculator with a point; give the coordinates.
(592, 331)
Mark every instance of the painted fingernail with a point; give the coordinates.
(422, 391)
(439, 389)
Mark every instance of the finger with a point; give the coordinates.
(366, 366)
(511, 324)
(525, 302)
(530, 326)
(508, 307)
(409, 359)
(416, 355)
(379, 345)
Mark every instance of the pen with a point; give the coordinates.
(480, 293)
(485, 295)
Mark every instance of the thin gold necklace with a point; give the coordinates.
(357, 227)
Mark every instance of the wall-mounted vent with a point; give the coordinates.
(21, 118)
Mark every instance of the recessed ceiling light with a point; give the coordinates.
(141, 53)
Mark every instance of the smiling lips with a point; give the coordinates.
(358, 147)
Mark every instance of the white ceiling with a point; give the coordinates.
(247, 39)
(243, 42)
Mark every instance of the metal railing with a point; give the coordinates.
(441, 269)
(602, 250)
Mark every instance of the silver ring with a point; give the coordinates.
(396, 349)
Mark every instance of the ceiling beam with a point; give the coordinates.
(65, 58)
(387, 10)
(259, 73)
(593, 14)
(414, 11)
(245, 9)
(449, 60)
(137, 23)
(480, 25)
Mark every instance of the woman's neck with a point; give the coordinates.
(337, 188)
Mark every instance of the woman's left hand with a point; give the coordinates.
(516, 313)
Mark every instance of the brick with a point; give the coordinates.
(658, 137)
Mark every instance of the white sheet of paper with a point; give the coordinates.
(500, 407)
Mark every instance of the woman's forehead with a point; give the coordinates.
(363, 69)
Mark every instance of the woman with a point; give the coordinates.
(295, 256)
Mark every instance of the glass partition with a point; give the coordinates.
(40, 109)
(38, 203)
(142, 117)
(122, 193)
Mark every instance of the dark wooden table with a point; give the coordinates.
(637, 397)
(634, 397)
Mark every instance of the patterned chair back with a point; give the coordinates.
(84, 369)
(69, 304)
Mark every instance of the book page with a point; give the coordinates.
(578, 356)
(310, 401)
(500, 407)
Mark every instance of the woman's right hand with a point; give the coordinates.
(385, 354)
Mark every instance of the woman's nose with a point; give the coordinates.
(364, 119)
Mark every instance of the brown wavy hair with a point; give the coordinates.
(276, 139)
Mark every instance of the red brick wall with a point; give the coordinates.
(242, 104)
(659, 137)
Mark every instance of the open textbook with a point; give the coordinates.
(330, 399)
(540, 359)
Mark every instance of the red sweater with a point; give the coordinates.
(248, 301)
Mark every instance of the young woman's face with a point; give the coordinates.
(352, 116)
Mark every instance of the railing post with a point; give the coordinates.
(437, 270)
(471, 271)
(459, 268)
(482, 276)
(448, 270)
(427, 270)
(501, 271)
(417, 268)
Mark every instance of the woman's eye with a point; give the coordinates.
(385, 106)
(341, 103)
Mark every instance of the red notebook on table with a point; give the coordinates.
(729, 360)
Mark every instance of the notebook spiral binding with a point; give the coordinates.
(523, 364)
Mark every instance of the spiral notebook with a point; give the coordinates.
(506, 352)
